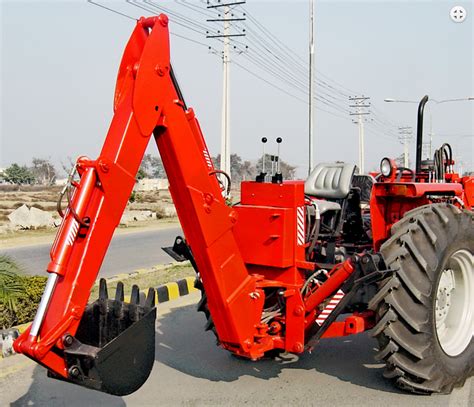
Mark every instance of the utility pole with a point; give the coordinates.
(226, 16)
(405, 136)
(311, 87)
(431, 136)
(360, 104)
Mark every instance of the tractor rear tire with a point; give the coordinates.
(425, 309)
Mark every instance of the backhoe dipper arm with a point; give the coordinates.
(147, 101)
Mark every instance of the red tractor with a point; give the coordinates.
(294, 262)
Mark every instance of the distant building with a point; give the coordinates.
(60, 181)
(151, 184)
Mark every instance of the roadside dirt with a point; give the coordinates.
(22, 238)
(44, 198)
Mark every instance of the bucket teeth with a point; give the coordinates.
(150, 298)
(114, 345)
(135, 296)
(119, 296)
(103, 295)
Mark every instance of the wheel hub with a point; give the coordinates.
(445, 287)
(454, 305)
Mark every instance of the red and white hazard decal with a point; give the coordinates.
(300, 225)
(207, 157)
(330, 307)
(71, 236)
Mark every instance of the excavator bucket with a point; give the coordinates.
(114, 348)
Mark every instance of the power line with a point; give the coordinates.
(327, 94)
(135, 19)
(323, 96)
(112, 10)
(269, 83)
(152, 9)
(194, 7)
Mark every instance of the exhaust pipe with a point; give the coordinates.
(419, 133)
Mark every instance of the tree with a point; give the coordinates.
(43, 171)
(152, 167)
(19, 175)
(67, 166)
(239, 170)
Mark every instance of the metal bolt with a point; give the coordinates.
(68, 340)
(298, 311)
(298, 347)
(233, 216)
(159, 70)
(163, 18)
(104, 166)
(74, 371)
(208, 198)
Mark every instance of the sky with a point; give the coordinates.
(59, 61)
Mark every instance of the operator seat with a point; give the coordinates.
(330, 187)
(332, 182)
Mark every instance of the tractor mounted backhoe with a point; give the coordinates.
(294, 262)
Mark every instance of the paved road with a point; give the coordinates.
(127, 252)
(191, 371)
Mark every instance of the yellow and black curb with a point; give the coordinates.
(171, 291)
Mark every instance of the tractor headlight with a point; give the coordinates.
(386, 167)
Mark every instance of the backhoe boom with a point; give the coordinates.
(147, 101)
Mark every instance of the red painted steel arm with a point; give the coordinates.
(146, 102)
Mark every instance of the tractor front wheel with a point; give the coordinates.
(425, 309)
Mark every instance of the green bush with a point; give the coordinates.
(26, 302)
(11, 285)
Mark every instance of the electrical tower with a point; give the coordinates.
(360, 104)
(227, 15)
(405, 135)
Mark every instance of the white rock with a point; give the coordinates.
(144, 215)
(170, 211)
(27, 218)
(20, 217)
(39, 218)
